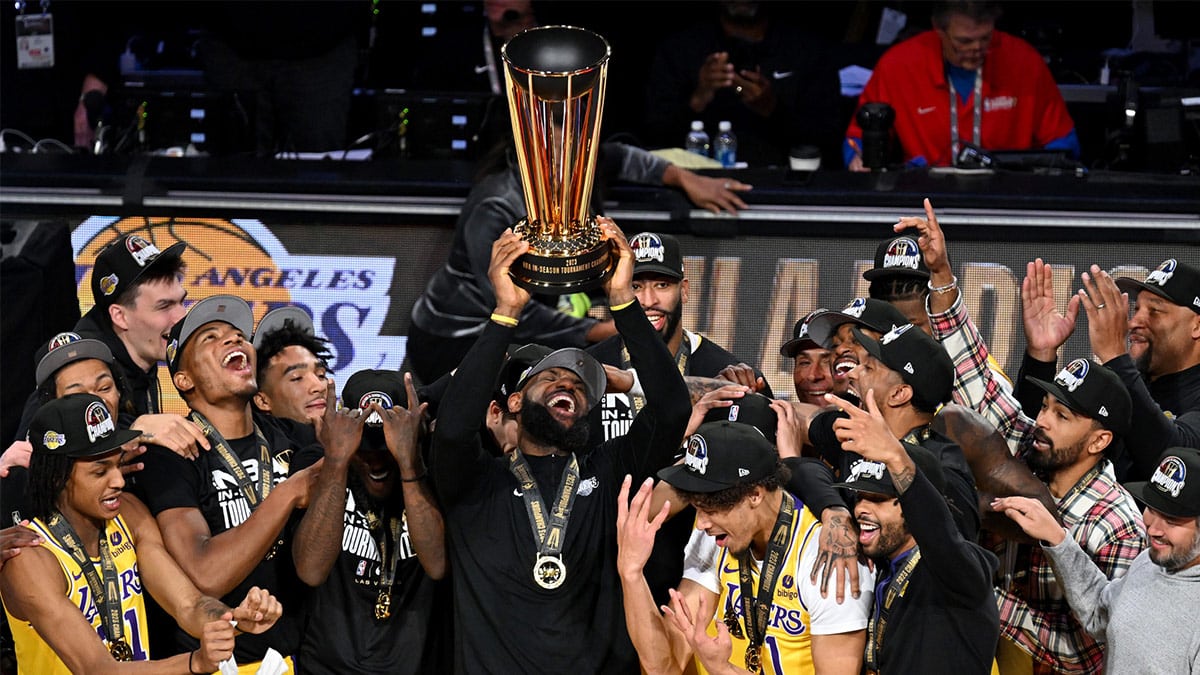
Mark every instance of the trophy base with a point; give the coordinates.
(558, 266)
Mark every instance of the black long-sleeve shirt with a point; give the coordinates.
(1166, 414)
(504, 621)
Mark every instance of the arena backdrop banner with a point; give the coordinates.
(359, 282)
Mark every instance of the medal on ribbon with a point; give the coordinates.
(549, 571)
(383, 604)
(120, 650)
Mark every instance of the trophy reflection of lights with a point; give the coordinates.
(555, 77)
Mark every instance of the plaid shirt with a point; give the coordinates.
(979, 383)
(1102, 517)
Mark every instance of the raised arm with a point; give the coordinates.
(457, 447)
(317, 541)
(426, 528)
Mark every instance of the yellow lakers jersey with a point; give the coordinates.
(34, 655)
(787, 647)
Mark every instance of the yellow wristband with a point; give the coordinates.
(504, 320)
(617, 308)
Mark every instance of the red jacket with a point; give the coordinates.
(1022, 107)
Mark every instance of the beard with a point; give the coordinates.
(537, 421)
(1142, 361)
(1055, 458)
(891, 537)
(1180, 558)
(674, 319)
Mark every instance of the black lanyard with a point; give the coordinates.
(896, 588)
(233, 464)
(550, 529)
(681, 359)
(106, 595)
(757, 610)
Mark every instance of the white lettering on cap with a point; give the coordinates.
(865, 468)
(697, 454)
(647, 247)
(141, 250)
(894, 333)
(99, 422)
(855, 308)
(1072, 375)
(1163, 274)
(1170, 476)
(903, 253)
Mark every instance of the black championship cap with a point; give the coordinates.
(800, 338)
(120, 264)
(868, 476)
(1174, 489)
(519, 359)
(753, 409)
(228, 308)
(878, 315)
(656, 254)
(899, 255)
(276, 318)
(77, 425)
(385, 387)
(1175, 281)
(1094, 391)
(721, 455)
(922, 362)
(577, 361)
(66, 348)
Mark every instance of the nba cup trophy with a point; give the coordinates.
(555, 77)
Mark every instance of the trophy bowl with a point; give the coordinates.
(555, 78)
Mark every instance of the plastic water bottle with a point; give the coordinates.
(697, 139)
(725, 150)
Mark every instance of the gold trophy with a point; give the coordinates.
(555, 77)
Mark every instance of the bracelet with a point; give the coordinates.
(191, 656)
(941, 290)
(504, 320)
(617, 308)
(416, 479)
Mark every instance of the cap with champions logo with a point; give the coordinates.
(1173, 281)
(1174, 488)
(227, 308)
(655, 253)
(922, 362)
(125, 260)
(869, 476)
(1092, 390)
(385, 387)
(66, 348)
(76, 426)
(898, 255)
(721, 455)
(878, 315)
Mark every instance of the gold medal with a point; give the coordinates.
(383, 604)
(549, 571)
(120, 650)
(753, 661)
